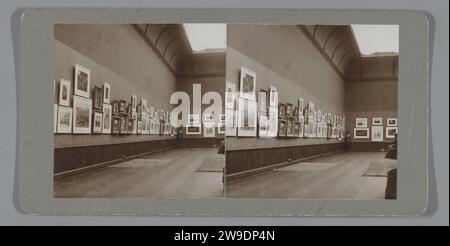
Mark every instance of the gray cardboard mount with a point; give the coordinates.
(35, 192)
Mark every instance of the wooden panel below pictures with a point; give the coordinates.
(369, 146)
(245, 162)
(202, 142)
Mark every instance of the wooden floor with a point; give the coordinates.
(176, 176)
(344, 180)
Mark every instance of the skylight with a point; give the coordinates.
(377, 39)
(206, 37)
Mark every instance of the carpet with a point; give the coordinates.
(212, 164)
(308, 167)
(380, 168)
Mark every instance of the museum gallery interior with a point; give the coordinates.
(113, 135)
(315, 117)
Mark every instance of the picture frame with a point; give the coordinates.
(208, 118)
(115, 125)
(97, 122)
(281, 128)
(82, 115)
(230, 95)
(82, 81)
(247, 85)
(358, 133)
(55, 117)
(123, 125)
(115, 107)
(301, 121)
(281, 110)
(288, 109)
(262, 101)
(247, 118)
(359, 122)
(391, 121)
(311, 110)
(193, 129)
(230, 122)
(221, 128)
(263, 125)
(377, 133)
(391, 131)
(306, 130)
(133, 103)
(289, 128)
(209, 130)
(273, 122)
(194, 119)
(64, 124)
(273, 96)
(377, 121)
(122, 106)
(301, 105)
(98, 98)
(296, 129)
(106, 92)
(64, 92)
(107, 117)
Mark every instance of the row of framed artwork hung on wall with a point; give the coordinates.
(102, 115)
(362, 130)
(251, 114)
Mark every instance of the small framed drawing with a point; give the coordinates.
(359, 133)
(221, 129)
(123, 125)
(64, 92)
(209, 130)
(272, 130)
(288, 109)
(115, 107)
(82, 115)
(281, 110)
(115, 125)
(122, 106)
(247, 84)
(130, 126)
(230, 95)
(301, 121)
(263, 126)
(289, 126)
(273, 96)
(222, 118)
(64, 120)
(377, 133)
(82, 81)
(193, 129)
(247, 118)
(133, 103)
(230, 122)
(98, 122)
(296, 129)
(311, 110)
(98, 98)
(391, 122)
(262, 101)
(391, 131)
(193, 119)
(301, 106)
(281, 128)
(306, 130)
(377, 121)
(107, 115)
(360, 122)
(106, 92)
(55, 117)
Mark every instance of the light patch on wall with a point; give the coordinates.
(377, 39)
(206, 37)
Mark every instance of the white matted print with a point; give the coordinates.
(193, 119)
(209, 130)
(64, 120)
(230, 95)
(391, 131)
(107, 115)
(82, 81)
(263, 126)
(273, 96)
(359, 133)
(272, 130)
(64, 92)
(391, 121)
(98, 122)
(230, 122)
(221, 128)
(377, 121)
(106, 92)
(247, 118)
(377, 133)
(193, 129)
(82, 111)
(247, 84)
(361, 122)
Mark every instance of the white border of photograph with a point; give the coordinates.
(76, 101)
(107, 107)
(377, 121)
(391, 128)
(388, 121)
(252, 112)
(230, 95)
(62, 110)
(64, 83)
(249, 95)
(97, 116)
(361, 122)
(76, 91)
(358, 129)
(377, 129)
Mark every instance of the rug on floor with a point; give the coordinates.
(212, 164)
(308, 167)
(142, 163)
(380, 168)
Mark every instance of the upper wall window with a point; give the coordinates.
(206, 37)
(377, 39)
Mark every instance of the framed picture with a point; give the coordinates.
(247, 118)
(288, 109)
(98, 98)
(230, 95)
(360, 122)
(144, 104)
(123, 125)
(391, 131)
(358, 133)
(222, 118)
(273, 96)
(107, 115)
(115, 127)
(230, 122)
(208, 118)
(301, 121)
(289, 126)
(281, 128)
(193, 119)
(262, 101)
(301, 105)
(133, 103)
(82, 81)
(247, 84)
(272, 130)
(130, 126)
(263, 126)
(64, 92)
(98, 122)
(296, 129)
(64, 120)
(209, 130)
(82, 115)
(377, 121)
(391, 122)
(281, 110)
(55, 117)
(377, 133)
(221, 129)
(115, 107)
(311, 110)
(122, 106)
(306, 130)
(193, 129)
(106, 92)
(152, 112)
